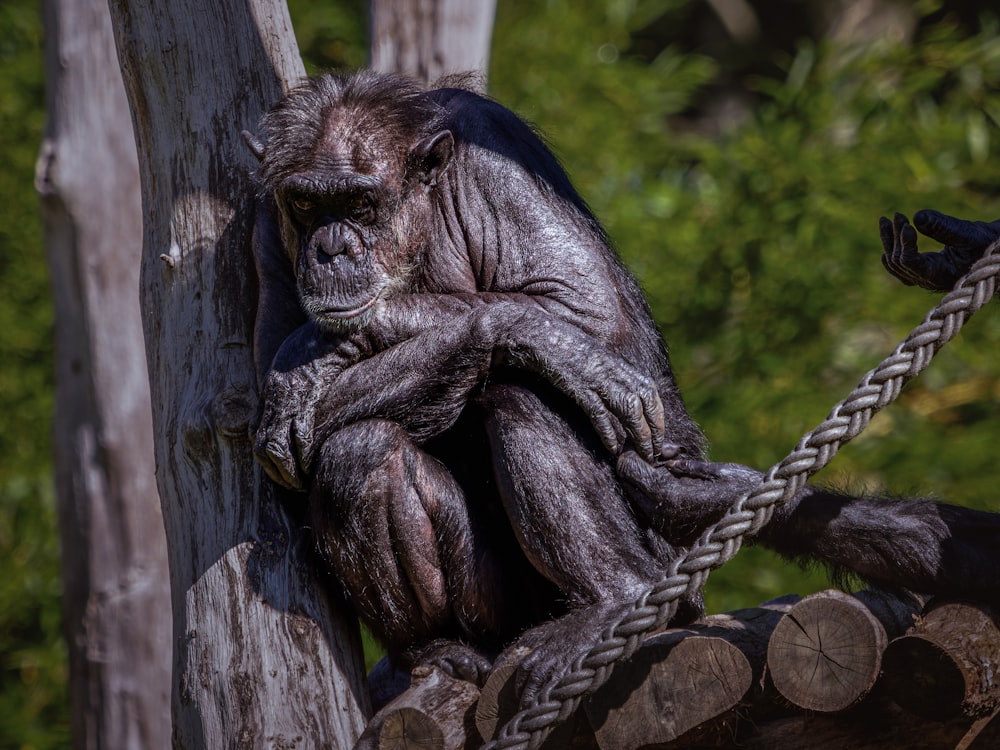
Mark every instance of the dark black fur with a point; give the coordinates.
(478, 401)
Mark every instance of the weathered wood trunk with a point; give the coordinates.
(427, 39)
(945, 665)
(116, 591)
(260, 658)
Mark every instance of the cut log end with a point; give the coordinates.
(826, 653)
(410, 729)
(434, 713)
(499, 701)
(923, 678)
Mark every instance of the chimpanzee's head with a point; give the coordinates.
(351, 162)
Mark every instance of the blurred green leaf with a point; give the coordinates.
(33, 699)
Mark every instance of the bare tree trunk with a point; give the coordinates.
(116, 598)
(260, 658)
(427, 39)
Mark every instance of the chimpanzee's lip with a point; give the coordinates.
(340, 313)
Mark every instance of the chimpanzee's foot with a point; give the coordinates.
(457, 659)
(553, 647)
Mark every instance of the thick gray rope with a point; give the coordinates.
(560, 698)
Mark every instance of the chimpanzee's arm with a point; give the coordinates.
(622, 402)
(424, 382)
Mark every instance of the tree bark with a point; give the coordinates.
(116, 592)
(261, 659)
(427, 39)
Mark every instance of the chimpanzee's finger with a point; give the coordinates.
(602, 420)
(275, 461)
(892, 251)
(904, 261)
(908, 243)
(653, 408)
(886, 234)
(950, 230)
(632, 414)
(899, 222)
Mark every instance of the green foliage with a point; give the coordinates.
(33, 702)
(330, 35)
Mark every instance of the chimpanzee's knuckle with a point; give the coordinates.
(482, 325)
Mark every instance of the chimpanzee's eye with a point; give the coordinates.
(303, 206)
(361, 207)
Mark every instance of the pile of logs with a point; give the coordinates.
(829, 671)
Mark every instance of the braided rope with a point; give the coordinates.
(560, 698)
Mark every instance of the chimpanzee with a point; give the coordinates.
(964, 244)
(466, 381)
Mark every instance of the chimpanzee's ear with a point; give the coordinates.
(430, 157)
(254, 144)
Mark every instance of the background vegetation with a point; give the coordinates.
(741, 181)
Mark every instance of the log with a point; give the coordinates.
(434, 713)
(946, 664)
(682, 678)
(115, 576)
(499, 701)
(897, 611)
(262, 655)
(826, 654)
(427, 39)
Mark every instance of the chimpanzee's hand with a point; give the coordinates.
(964, 243)
(303, 369)
(623, 404)
(681, 497)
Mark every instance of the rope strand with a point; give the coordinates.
(560, 698)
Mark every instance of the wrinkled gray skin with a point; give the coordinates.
(964, 243)
(468, 384)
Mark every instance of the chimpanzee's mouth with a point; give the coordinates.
(341, 313)
(338, 318)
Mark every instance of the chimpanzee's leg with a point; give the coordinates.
(396, 529)
(565, 505)
(571, 517)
